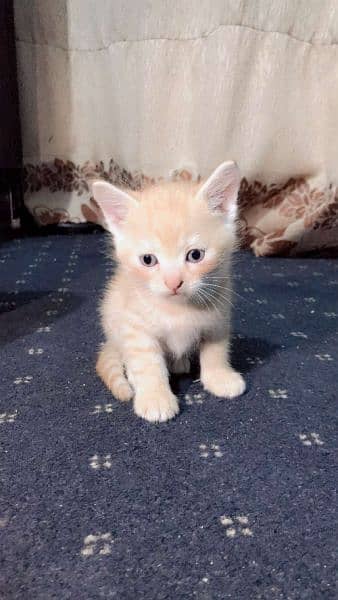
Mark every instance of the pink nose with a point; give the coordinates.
(173, 282)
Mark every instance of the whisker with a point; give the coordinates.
(208, 299)
(214, 285)
(202, 302)
(217, 298)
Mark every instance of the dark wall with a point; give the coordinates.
(10, 133)
(10, 138)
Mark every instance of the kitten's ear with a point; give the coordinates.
(113, 202)
(221, 190)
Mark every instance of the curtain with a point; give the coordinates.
(138, 91)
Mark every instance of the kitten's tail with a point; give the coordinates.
(110, 368)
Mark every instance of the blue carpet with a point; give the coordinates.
(232, 499)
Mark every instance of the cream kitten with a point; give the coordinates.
(170, 293)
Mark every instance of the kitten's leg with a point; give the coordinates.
(147, 371)
(217, 375)
(178, 366)
(110, 368)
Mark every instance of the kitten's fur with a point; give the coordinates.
(147, 327)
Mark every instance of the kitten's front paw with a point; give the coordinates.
(155, 408)
(180, 366)
(225, 383)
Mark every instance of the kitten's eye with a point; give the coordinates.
(195, 255)
(148, 260)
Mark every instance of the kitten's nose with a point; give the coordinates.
(173, 283)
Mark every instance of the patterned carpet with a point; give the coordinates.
(232, 499)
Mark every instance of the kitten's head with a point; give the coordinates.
(174, 238)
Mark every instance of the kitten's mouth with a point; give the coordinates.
(176, 295)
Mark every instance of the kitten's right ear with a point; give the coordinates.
(221, 190)
(113, 202)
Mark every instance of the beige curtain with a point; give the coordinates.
(134, 91)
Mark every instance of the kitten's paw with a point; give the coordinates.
(122, 390)
(114, 378)
(180, 366)
(154, 408)
(110, 369)
(225, 383)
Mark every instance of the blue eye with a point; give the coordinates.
(195, 255)
(148, 260)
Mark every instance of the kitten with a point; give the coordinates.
(170, 293)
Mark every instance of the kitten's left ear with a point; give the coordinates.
(113, 202)
(221, 190)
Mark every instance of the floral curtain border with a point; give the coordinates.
(301, 218)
